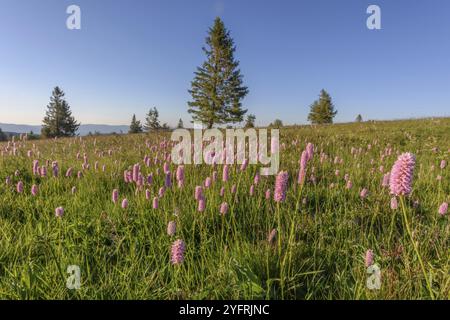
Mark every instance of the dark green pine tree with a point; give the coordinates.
(322, 110)
(135, 126)
(359, 118)
(250, 121)
(217, 88)
(276, 124)
(2, 135)
(152, 120)
(58, 120)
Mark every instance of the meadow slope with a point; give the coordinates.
(323, 228)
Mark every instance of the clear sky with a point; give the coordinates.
(131, 55)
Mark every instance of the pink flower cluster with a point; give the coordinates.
(402, 172)
(281, 184)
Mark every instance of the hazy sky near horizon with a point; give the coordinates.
(133, 55)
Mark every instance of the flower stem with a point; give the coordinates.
(279, 235)
(405, 219)
(391, 228)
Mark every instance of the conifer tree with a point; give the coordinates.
(322, 110)
(135, 126)
(180, 124)
(152, 120)
(359, 118)
(58, 120)
(2, 135)
(217, 88)
(276, 124)
(250, 121)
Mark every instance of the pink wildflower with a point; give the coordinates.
(19, 187)
(443, 208)
(364, 193)
(201, 205)
(402, 172)
(59, 212)
(198, 193)
(281, 186)
(115, 195)
(171, 228)
(225, 173)
(223, 208)
(368, 258)
(177, 252)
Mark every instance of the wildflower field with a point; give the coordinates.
(140, 227)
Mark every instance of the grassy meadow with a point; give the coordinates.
(323, 228)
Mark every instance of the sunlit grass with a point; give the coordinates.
(323, 232)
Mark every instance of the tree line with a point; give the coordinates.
(152, 123)
(217, 91)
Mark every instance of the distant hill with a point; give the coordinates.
(102, 128)
(83, 130)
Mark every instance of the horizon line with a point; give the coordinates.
(294, 124)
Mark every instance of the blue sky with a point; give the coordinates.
(133, 55)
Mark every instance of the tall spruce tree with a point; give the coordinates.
(276, 124)
(359, 118)
(322, 110)
(250, 121)
(58, 120)
(2, 135)
(152, 120)
(135, 126)
(217, 88)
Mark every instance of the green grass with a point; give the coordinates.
(320, 248)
